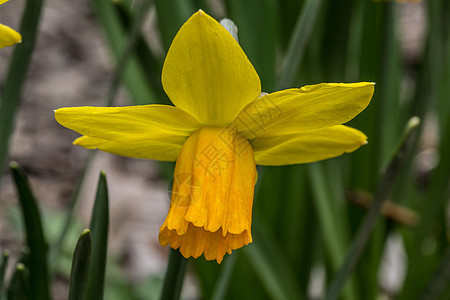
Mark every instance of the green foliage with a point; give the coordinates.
(80, 266)
(99, 228)
(3, 263)
(173, 281)
(34, 270)
(19, 288)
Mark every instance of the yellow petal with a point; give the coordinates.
(311, 107)
(3, 1)
(128, 124)
(212, 195)
(207, 74)
(307, 147)
(163, 150)
(8, 36)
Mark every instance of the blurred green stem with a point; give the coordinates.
(173, 281)
(388, 177)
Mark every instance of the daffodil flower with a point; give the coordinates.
(8, 36)
(220, 127)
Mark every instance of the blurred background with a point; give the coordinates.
(306, 217)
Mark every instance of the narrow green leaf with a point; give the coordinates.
(222, 284)
(297, 43)
(264, 270)
(171, 15)
(173, 281)
(19, 288)
(354, 47)
(129, 50)
(80, 266)
(37, 262)
(15, 77)
(99, 228)
(152, 61)
(331, 224)
(331, 231)
(270, 263)
(117, 38)
(440, 279)
(3, 264)
(257, 21)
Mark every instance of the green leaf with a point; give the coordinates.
(223, 282)
(99, 228)
(117, 38)
(37, 262)
(173, 281)
(297, 43)
(15, 77)
(3, 264)
(270, 264)
(257, 22)
(19, 288)
(439, 281)
(331, 223)
(132, 21)
(80, 266)
(171, 15)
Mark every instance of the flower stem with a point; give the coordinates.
(173, 281)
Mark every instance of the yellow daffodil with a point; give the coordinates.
(220, 126)
(8, 36)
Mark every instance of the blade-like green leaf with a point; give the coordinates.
(3, 264)
(134, 75)
(132, 21)
(270, 264)
(173, 281)
(80, 266)
(19, 288)
(297, 43)
(440, 280)
(99, 228)
(257, 21)
(222, 284)
(37, 262)
(265, 270)
(15, 77)
(171, 15)
(331, 222)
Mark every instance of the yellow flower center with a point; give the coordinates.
(212, 195)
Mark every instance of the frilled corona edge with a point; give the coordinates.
(212, 195)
